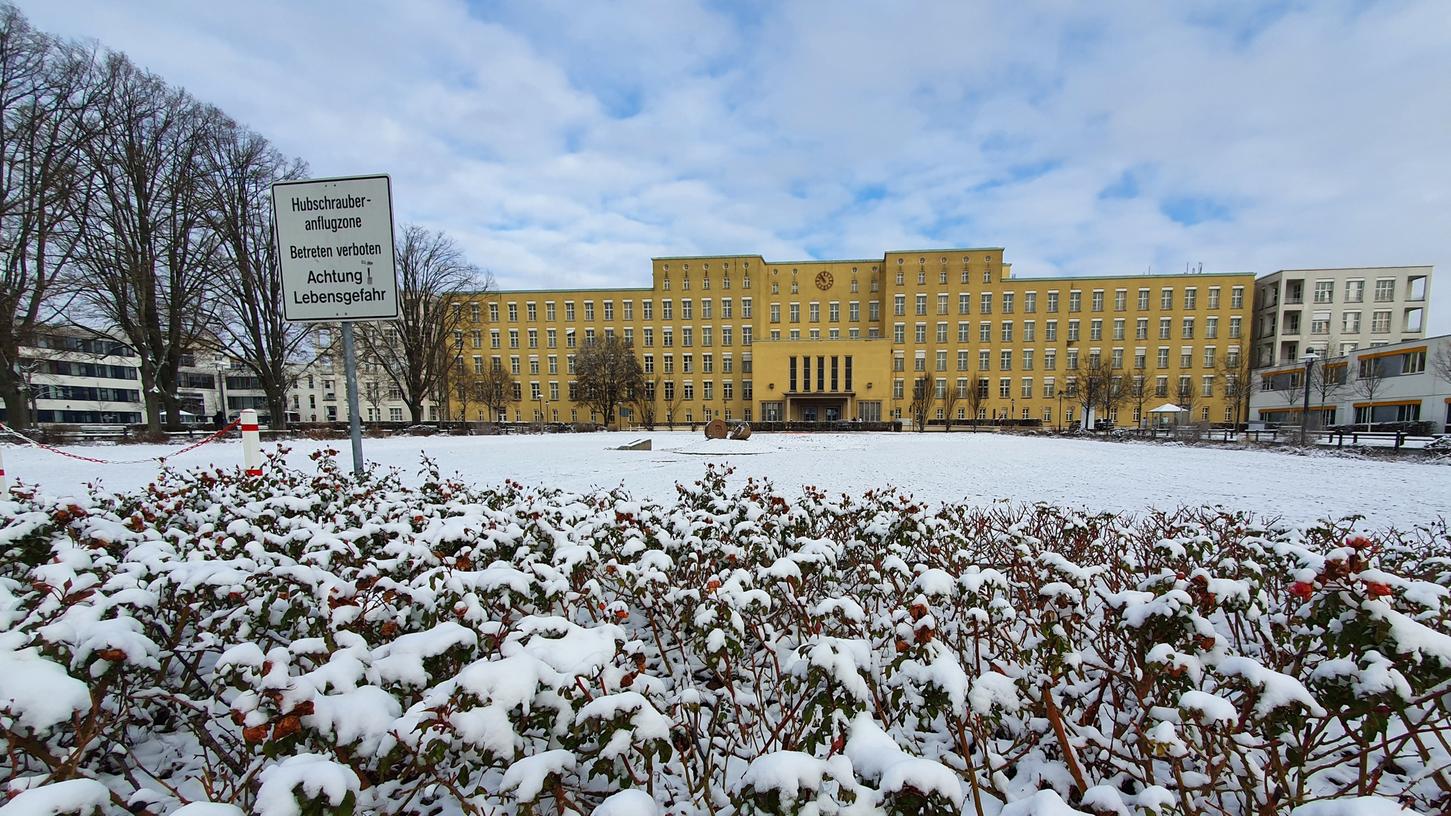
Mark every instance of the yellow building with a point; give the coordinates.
(738, 337)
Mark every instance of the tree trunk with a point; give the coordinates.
(17, 404)
(415, 410)
(150, 401)
(277, 407)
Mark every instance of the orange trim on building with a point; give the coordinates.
(1295, 409)
(1379, 354)
(1386, 403)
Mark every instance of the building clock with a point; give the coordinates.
(823, 280)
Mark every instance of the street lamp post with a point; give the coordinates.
(1309, 361)
(1060, 410)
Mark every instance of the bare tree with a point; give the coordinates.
(464, 390)
(47, 89)
(1137, 393)
(1289, 385)
(1094, 379)
(1112, 395)
(644, 403)
(1370, 381)
(150, 258)
(976, 395)
(1441, 362)
(371, 392)
(496, 390)
(923, 398)
(432, 272)
(1326, 383)
(951, 398)
(674, 398)
(608, 375)
(1187, 398)
(240, 169)
(1236, 380)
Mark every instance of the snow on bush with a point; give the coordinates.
(319, 644)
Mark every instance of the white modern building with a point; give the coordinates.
(79, 377)
(1396, 383)
(1332, 312)
(75, 376)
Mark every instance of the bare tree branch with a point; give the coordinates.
(416, 350)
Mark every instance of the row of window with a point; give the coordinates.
(1006, 303)
(1069, 414)
(668, 390)
(1188, 327)
(833, 312)
(1385, 290)
(1137, 388)
(1028, 358)
(706, 335)
(550, 364)
(607, 311)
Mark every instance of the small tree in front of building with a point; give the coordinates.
(1441, 363)
(1090, 386)
(674, 400)
(608, 375)
(496, 390)
(645, 405)
(951, 398)
(1187, 398)
(1326, 383)
(1236, 381)
(976, 396)
(923, 397)
(1370, 382)
(1137, 392)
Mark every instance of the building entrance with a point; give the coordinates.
(818, 410)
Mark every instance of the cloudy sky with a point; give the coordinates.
(564, 143)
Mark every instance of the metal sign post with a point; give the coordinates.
(350, 370)
(335, 252)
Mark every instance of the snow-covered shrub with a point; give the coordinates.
(319, 643)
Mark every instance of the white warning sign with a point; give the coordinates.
(335, 248)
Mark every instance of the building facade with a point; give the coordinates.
(1395, 383)
(739, 337)
(1333, 312)
(80, 377)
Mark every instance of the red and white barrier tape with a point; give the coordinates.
(27, 440)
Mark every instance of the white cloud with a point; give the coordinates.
(565, 143)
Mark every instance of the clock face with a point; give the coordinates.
(823, 280)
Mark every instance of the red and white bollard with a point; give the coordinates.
(251, 443)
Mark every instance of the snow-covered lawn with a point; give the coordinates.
(979, 468)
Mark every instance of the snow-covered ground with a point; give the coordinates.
(981, 468)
